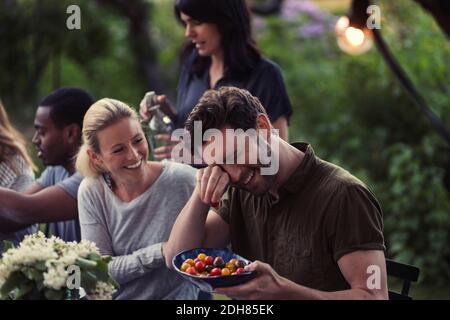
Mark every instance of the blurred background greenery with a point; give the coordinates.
(350, 108)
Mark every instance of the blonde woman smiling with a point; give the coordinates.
(127, 205)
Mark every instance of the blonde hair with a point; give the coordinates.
(100, 115)
(12, 142)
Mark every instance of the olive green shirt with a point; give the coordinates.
(322, 213)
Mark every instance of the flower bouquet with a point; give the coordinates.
(51, 269)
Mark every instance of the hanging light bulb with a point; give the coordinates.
(353, 37)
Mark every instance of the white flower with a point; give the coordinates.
(56, 276)
(68, 258)
(84, 248)
(51, 257)
(102, 291)
(27, 255)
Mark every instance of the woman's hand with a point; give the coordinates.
(164, 152)
(148, 101)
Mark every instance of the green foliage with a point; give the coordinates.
(356, 114)
(109, 69)
(418, 205)
(36, 38)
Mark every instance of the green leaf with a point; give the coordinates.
(32, 274)
(94, 257)
(102, 271)
(15, 280)
(40, 265)
(85, 263)
(107, 259)
(7, 245)
(24, 289)
(88, 280)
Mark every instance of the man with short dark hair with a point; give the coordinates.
(317, 228)
(53, 198)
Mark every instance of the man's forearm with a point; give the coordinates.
(47, 205)
(189, 229)
(13, 203)
(293, 291)
(8, 226)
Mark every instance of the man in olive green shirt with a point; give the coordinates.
(317, 228)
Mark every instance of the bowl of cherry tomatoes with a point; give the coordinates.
(212, 268)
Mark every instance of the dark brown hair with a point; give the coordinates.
(232, 17)
(227, 106)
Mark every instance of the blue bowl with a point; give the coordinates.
(208, 284)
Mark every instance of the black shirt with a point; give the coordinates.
(265, 82)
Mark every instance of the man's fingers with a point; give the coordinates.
(162, 99)
(221, 186)
(211, 188)
(212, 183)
(254, 266)
(204, 182)
(216, 185)
(199, 175)
(198, 186)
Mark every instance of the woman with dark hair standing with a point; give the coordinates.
(221, 51)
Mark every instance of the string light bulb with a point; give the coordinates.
(353, 37)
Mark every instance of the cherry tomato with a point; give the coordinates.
(200, 266)
(215, 272)
(201, 256)
(240, 270)
(208, 268)
(192, 271)
(196, 260)
(218, 262)
(208, 260)
(232, 261)
(240, 264)
(226, 272)
(190, 261)
(231, 266)
(184, 266)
